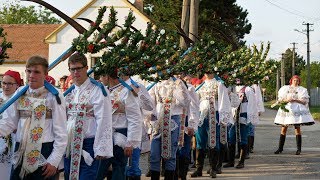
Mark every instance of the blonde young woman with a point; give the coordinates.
(298, 114)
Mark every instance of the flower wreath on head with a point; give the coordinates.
(4, 46)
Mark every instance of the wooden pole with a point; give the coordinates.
(194, 19)
(185, 21)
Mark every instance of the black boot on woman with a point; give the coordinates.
(281, 143)
(298, 139)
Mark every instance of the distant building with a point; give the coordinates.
(61, 38)
(27, 40)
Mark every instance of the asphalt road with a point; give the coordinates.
(264, 164)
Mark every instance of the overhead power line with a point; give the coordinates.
(291, 12)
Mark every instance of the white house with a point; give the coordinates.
(61, 39)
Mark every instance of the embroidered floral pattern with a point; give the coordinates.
(36, 134)
(24, 102)
(80, 111)
(223, 134)
(33, 157)
(39, 111)
(212, 123)
(182, 127)
(166, 133)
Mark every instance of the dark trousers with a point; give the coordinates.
(86, 171)
(46, 150)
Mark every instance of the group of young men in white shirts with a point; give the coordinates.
(93, 126)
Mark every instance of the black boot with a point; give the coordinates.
(232, 149)
(214, 162)
(221, 158)
(210, 161)
(248, 147)
(199, 163)
(183, 168)
(163, 166)
(134, 178)
(281, 143)
(148, 174)
(238, 151)
(298, 140)
(168, 175)
(243, 153)
(155, 175)
(252, 144)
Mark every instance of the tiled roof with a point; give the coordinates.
(27, 40)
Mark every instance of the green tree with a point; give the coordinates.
(14, 13)
(314, 75)
(299, 64)
(223, 19)
(271, 84)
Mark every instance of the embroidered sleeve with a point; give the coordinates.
(103, 116)
(59, 127)
(257, 92)
(193, 110)
(10, 119)
(133, 116)
(252, 111)
(224, 105)
(145, 99)
(180, 93)
(282, 93)
(303, 94)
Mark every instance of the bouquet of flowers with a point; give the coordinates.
(280, 104)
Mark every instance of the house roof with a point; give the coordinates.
(27, 40)
(52, 37)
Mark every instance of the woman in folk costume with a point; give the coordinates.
(171, 97)
(39, 117)
(215, 110)
(11, 81)
(296, 111)
(89, 123)
(126, 124)
(245, 114)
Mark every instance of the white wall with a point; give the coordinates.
(67, 34)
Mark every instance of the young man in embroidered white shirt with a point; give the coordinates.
(89, 123)
(127, 125)
(39, 117)
(170, 97)
(215, 113)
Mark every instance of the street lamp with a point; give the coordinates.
(308, 58)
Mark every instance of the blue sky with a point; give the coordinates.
(272, 20)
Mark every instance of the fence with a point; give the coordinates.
(315, 96)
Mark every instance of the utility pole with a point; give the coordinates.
(194, 14)
(283, 81)
(293, 58)
(308, 57)
(185, 21)
(278, 82)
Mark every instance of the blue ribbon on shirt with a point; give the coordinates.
(93, 81)
(13, 99)
(134, 83)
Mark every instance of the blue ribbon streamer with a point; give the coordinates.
(134, 83)
(151, 86)
(199, 86)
